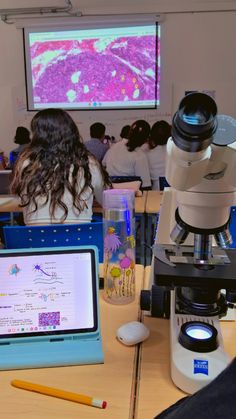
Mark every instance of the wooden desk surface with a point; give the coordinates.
(140, 203)
(153, 202)
(11, 204)
(156, 389)
(111, 381)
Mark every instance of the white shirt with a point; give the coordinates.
(119, 161)
(157, 163)
(42, 215)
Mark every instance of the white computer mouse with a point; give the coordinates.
(132, 333)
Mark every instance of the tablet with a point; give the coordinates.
(48, 295)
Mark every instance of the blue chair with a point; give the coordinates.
(5, 217)
(163, 183)
(55, 235)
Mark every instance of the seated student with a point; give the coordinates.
(126, 158)
(56, 178)
(22, 137)
(96, 144)
(123, 136)
(156, 154)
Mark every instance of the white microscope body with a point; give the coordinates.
(201, 169)
(205, 183)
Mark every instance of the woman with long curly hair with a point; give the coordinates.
(56, 178)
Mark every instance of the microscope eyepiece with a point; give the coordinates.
(195, 122)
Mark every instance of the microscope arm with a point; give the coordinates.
(185, 169)
(230, 160)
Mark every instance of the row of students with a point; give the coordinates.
(141, 153)
(97, 144)
(56, 176)
(126, 159)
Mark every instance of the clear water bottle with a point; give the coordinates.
(119, 246)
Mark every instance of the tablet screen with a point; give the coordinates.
(47, 292)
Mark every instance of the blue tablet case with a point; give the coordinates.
(53, 350)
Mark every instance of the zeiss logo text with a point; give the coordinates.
(200, 366)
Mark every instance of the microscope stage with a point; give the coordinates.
(184, 274)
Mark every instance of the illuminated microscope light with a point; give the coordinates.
(198, 336)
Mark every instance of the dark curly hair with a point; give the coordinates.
(138, 134)
(52, 163)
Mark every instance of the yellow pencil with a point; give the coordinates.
(61, 394)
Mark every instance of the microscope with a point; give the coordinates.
(194, 266)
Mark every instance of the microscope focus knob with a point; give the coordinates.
(157, 301)
(160, 302)
(145, 300)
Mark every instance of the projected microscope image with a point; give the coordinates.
(94, 70)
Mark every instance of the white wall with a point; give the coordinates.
(197, 53)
